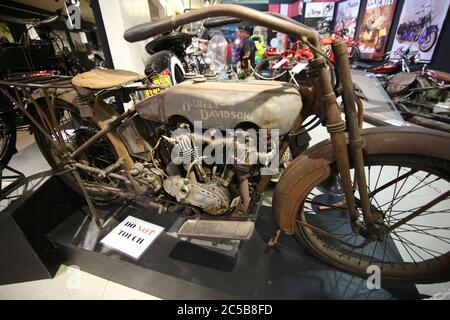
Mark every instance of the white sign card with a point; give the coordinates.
(299, 67)
(132, 236)
(280, 63)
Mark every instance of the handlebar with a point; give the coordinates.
(213, 23)
(223, 21)
(33, 22)
(46, 21)
(273, 21)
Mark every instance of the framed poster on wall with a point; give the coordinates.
(319, 15)
(419, 27)
(375, 27)
(347, 17)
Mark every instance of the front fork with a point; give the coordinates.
(337, 127)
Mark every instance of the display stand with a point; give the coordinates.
(174, 268)
(25, 252)
(171, 268)
(17, 177)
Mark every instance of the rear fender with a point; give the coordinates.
(100, 114)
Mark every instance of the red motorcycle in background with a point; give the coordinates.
(298, 50)
(353, 52)
(275, 65)
(408, 62)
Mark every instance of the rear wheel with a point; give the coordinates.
(414, 251)
(8, 136)
(76, 130)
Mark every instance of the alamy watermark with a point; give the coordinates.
(73, 14)
(374, 280)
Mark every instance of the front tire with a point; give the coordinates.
(414, 252)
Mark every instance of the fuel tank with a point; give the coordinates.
(226, 104)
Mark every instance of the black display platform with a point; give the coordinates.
(25, 252)
(175, 269)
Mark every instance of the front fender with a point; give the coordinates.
(313, 167)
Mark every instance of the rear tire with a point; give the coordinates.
(8, 136)
(78, 130)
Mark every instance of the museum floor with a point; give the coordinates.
(72, 283)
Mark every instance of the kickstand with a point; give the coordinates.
(18, 177)
(92, 210)
(272, 242)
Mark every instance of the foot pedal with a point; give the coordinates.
(233, 230)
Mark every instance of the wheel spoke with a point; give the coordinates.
(390, 183)
(394, 194)
(385, 253)
(414, 190)
(373, 253)
(423, 232)
(406, 248)
(416, 213)
(427, 250)
(326, 205)
(396, 185)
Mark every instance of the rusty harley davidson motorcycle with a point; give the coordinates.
(372, 197)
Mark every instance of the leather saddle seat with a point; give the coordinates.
(442, 76)
(100, 79)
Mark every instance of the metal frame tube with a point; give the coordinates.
(351, 116)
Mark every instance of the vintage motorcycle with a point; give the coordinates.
(422, 31)
(324, 26)
(354, 54)
(419, 93)
(30, 59)
(376, 197)
(177, 55)
(276, 66)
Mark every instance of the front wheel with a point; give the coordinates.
(399, 185)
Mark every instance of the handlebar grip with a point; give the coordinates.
(149, 29)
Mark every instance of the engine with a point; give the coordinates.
(215, 188)
(196, 178)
